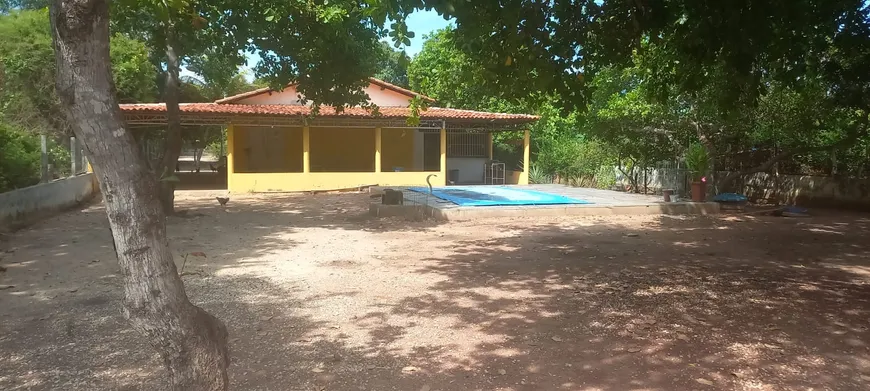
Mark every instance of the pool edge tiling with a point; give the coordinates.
(601, 203)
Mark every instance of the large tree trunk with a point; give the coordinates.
(191, 341)
(173, 123)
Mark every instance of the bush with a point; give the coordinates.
(575, 162)
(606, 177)
(59, 159)
(538, 176)
(19, 159)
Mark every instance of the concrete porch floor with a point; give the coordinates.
(603, 202)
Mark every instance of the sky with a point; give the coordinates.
(420, 22)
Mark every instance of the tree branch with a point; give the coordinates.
(851, 138)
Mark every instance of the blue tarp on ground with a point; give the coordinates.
(496, 196)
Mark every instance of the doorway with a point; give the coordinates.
(431, 152)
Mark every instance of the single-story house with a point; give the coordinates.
(274, 143)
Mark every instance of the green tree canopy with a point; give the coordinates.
(27, 71)
(392, 65)
(559, 46)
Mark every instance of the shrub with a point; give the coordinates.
(697, 161)
(538, 176)
(19, 159)
(576, 162)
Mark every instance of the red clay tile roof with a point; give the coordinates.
(326, 111)
(377, 82)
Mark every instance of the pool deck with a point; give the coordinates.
(603, 203)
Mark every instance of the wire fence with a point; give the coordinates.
(665, 175)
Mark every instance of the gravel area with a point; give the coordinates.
(319, 296)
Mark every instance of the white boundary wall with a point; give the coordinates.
(28, 203)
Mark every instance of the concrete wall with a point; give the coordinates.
(289, 96)
(470, 169)
(848, 193)
(23, 205)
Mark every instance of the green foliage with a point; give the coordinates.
(217, 146)
(27, 69)
(27, 96)
(392, 66)
(132, 70)
(557, 47)
(606, 177)
(575, 161)
(621, 115)
(697, 161)
(19, 158)
(328, 49)
(442, 71)
(59, 158)
(668, 79)
(538, 176)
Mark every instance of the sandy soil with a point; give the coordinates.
(318, 296)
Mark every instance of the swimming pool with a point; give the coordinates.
(496, 196)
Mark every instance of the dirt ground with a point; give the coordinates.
(319, 296)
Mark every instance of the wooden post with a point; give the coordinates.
(443, 156)
(306, 149)
(377, 149)
(230, 156)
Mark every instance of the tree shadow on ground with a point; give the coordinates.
(669, 303)
(679, 304)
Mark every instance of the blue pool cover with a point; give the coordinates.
(496, 196)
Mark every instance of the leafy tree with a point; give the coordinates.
(444, 72)
(27, 93)
(392, 65)
(558, 46)
(327, 49)
(706, 64)
(19, 160)
(219, 76)
(132, 70)
(639, 131)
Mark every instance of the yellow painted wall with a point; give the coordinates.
(397, 149)
(290, 182)
(340, 159)
(515, 178)
(239, 148)
(293, 150)
(267, 149)
(342, 150)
